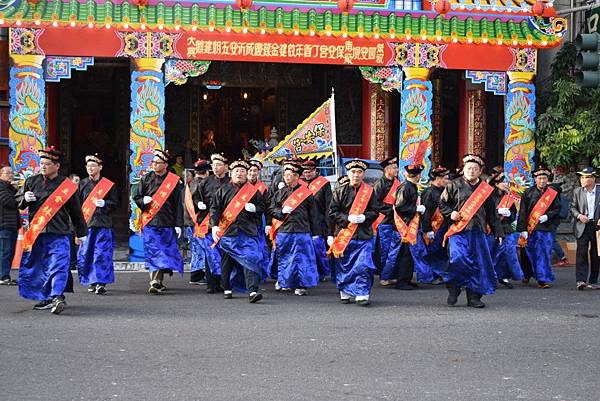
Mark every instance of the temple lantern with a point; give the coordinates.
(345, 5)
(538, 8)
(140, 3)
(243, 4)
(442, 6)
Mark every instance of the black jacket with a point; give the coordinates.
(430, 198)
(406, 201)
(102, 215)
(454, 197)
(304, 218)
(61, 222)
(171, 213)
(341, 202)
(187, 219)
(207, 188)
(245, 221)
(9, 209)
(381, 189)
(528, 201)
(322, 201)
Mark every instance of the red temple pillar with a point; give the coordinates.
(471, 119)
(376, 135)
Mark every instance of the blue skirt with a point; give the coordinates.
(296, 261)
(419, 254)
(539, 252)
(95, 257)
(389, 245)
(212, 255)
(245, 250)
(437, 255)
(44, 271)
(355, 269)
(160, 249)
(264, 250)
(506, 260)
(471, 263)
(198, 259)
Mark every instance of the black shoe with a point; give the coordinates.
(404, 287)
(228, 295)
(364, 302)
(453, 294)
(91, 288)
(255, 297)
(58, 305)
(43, 305)
(154, 289)
(506, 283)
(413, 285)
(100, 290)
(475, 303)
(210, 291)
(345, 301)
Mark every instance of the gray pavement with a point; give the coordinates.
(528, 344)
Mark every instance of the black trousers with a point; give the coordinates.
(405, 264)
(198, 275)
(587, 247)
(525, 264)
(227, 266)
(213, 281)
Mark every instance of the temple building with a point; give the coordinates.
(125, 77)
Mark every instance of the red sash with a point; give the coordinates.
(377, 222)
(302, 182)
(201, 229)
(99, 192)
(508, 200)
(46, 212)
(234, 208)
(539, 209)
(390, 198)
(436, 222)
(408, 233)
(471, 206)
(261, 186)
(318, 183)
(359, 205)
(293, 201)
(159, 198)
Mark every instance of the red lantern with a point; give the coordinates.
(538, 8)
(442, 6)
(243, 4)
(140, 3)
(345, 5)
(33, 2)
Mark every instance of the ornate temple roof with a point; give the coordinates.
(514, 29)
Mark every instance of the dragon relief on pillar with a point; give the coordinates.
(147, 127)
(416, 125)
(519, 144)
(27, 124)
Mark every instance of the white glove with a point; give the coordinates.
(315, 237)
(201, 205)
(430, 235)
(178, 232)
(147, 200)
(421, 209)
(100, 203)
(82, 239)
(504, 211)
(287, 210)
(215, 231)
(30, 196)
(281, 185)
(524, 235)
(250, 207)
(267, 230)
(353, 218)
(543, 218)
(329, 240)
(360, 218)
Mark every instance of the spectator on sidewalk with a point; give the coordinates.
(9, 224)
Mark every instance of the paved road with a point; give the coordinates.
(528, 344)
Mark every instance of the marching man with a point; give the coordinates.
(353, 210)
(52, 207)
(99, 198)
(234, 219)
(158, 195)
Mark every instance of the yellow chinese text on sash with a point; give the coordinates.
(538, 210)
(233, 209)
(293, 201)
(318, 183)
(261, 186)
(99, 191)
(46, 212)
(159, 198)
(390, 198)
(359, 205)
(408, 233)
(471, 206)
(200, 229)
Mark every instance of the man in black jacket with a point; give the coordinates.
(9, 224)
(44, 270)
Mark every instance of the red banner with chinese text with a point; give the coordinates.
(233, 209)
(471, 206)
(359, 205)
(99, 192)
(159, 198)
